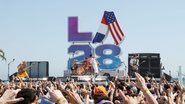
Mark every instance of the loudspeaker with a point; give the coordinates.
(38, 69)
(149, 64)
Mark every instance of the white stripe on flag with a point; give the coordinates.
(118, 31)
(117, 34)
(103, 28)
(113, 33)
(119, 28)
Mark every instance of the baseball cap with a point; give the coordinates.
(100, 90)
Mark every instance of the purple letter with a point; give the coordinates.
(74, 35)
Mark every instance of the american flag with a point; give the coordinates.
(114, 27)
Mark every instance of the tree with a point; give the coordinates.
(2, 55)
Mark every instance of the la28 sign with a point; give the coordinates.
(108, 60)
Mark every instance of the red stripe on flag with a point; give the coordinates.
(117, 34)
(119, 28)
(113, 35)
(103, 20)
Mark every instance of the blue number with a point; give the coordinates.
(75, 50)
(108, 56)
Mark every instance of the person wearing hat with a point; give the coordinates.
(100, 95)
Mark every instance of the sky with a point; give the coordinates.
(37, 30)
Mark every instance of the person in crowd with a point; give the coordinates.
(100, 95)
(118, 91)
(30, 96)
(22, 70)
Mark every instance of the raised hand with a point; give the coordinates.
(140, 82)
(56, 96)
(128, 99)
(142, 85)
(9, 97)
(73, 97)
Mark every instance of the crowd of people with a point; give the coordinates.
(117, 91)
(142, 90)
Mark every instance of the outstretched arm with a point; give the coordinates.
(141, 85)
(9, 97)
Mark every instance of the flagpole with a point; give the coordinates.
(9, 67)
